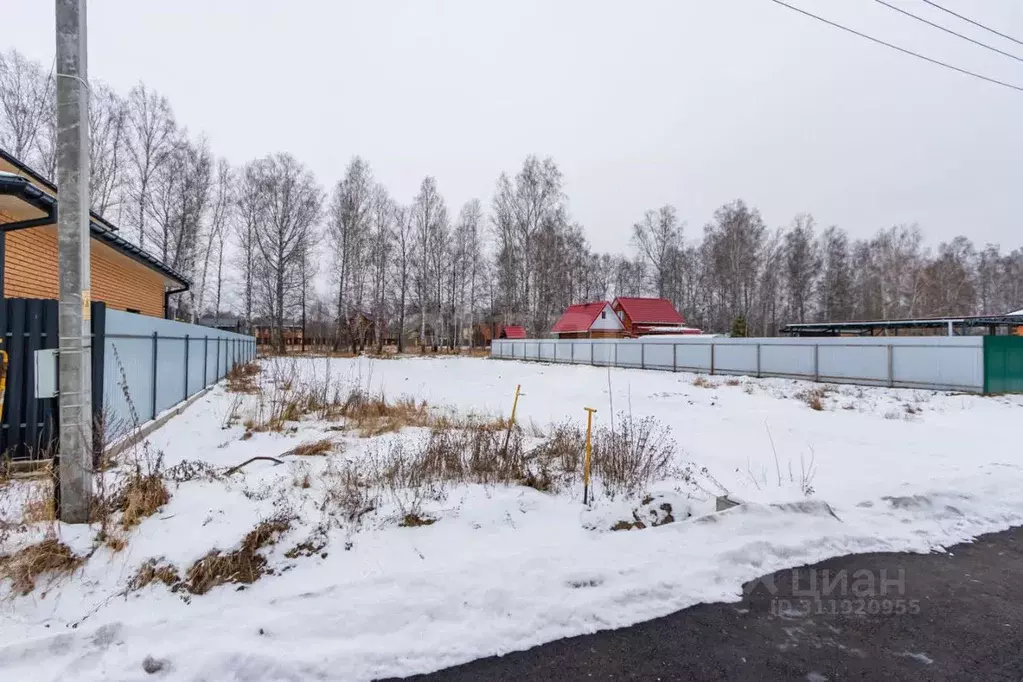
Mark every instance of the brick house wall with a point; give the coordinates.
(30, 271)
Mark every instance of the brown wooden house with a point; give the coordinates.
(123, 276)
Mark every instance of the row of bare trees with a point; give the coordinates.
(741, 268)
(355, 265)
(163, 187)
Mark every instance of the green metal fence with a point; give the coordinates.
(1003, 364)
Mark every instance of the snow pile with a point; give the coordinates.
(485, 568)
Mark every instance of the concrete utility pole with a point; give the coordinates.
(75, 348)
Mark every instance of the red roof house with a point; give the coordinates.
(647, 316)
(513, 331)
(589, 321)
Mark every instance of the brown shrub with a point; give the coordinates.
(154, 571)
(732, 382)
(348, 490)
(30, 563)
(244, 565)
(564, 447)
(632, 456)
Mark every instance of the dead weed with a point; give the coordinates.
(154, 570)
(49, 557)
(814, 397)
(242, 378)
(314, 448)
(244, 565)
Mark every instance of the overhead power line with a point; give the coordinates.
(975, 23)
(948, 30)
(900, 49)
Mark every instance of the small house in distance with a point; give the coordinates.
(513, 331)
(650, 316)
(596, 320)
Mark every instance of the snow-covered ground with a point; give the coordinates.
(507, 567)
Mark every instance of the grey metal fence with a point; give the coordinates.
(160, 363)
(937, 362)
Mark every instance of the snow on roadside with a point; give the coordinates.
(505, 568)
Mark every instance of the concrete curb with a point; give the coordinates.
(143, 432)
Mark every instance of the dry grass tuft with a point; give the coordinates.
(244, 565)
(115, 542)
(813, 397)
(39, 507)
(314, 448)
(49, 557)
(703, 382)
(143, 495)
(374, 416)
(243, 378)
(732, 382)
(154, 571)
(415, 520)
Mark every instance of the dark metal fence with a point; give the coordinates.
(147, 363)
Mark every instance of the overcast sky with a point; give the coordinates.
(641, 103)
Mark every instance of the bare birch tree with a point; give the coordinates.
(291, 201)
(659, 238)
(151, 136)
(348, 227)
(402, 264)
(26, 100)
(802, 265)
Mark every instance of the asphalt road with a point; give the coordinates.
(955, 616)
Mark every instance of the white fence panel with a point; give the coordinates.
(630, 355)
(736, 359)
(865, 363)
(927, 366)
(658, 356)
(948, 363)
(693, 357)
(797, 361)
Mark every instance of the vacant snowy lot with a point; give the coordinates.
(345, 561)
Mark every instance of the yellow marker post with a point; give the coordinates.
(511, 422)
(586, 471)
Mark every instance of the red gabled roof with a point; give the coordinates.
(514, 332)
(578, 317)
(650, 310)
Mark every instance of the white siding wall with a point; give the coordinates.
(609, 322)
